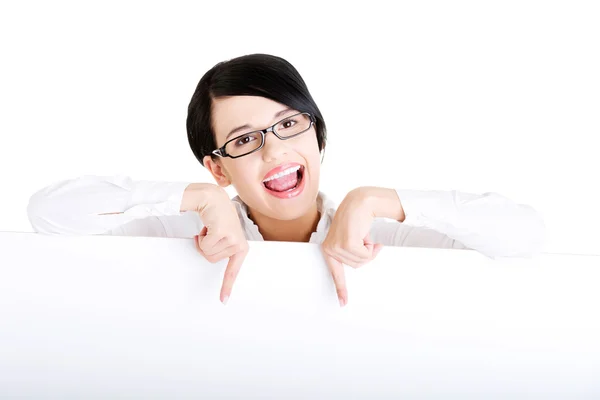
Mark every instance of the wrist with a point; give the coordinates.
(197, 196)
(383, 202)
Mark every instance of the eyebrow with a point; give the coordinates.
(246, 126)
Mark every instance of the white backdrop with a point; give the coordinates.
(473, 96)
(109, 317)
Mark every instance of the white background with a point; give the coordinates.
(110, 317)
(472, 96)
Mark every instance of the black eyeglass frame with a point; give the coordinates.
(221, 150)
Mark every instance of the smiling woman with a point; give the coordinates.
(254, 125)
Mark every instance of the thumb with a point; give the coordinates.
(376, 249)
(203, 232)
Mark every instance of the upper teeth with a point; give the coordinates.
(288, 171)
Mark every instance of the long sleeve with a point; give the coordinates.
(489, 223)
(73, 207)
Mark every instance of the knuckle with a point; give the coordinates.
(230, 275)
(364, 258)
(220, 236)
(208, 254)
(337, 274)
(212, 259)
(236, 248)
(341, 260)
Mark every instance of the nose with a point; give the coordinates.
(274, 148)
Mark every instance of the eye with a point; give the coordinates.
(288, 123)
(244, 140)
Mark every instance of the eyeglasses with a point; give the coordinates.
(250, 142)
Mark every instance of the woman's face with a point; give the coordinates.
(286, 197)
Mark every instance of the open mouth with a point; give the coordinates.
(289, 181)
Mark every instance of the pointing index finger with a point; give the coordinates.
(337, 272)
(233, 267)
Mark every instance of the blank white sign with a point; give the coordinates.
(138, 317)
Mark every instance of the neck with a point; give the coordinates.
(295, 230)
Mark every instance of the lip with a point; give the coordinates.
(280, 168)
(292, 193)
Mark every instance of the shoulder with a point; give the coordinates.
(241, 208)
(326, 205)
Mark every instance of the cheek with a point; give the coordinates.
(313, 155)
(313, 159)
(315, 169)
(309, 147)
(243, 176)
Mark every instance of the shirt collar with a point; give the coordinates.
(325, 206)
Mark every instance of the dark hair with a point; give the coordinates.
(250, 75)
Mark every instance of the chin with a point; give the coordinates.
(291, 210)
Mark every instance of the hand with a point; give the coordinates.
(222, 235)
(348, 241)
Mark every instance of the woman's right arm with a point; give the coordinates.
(91, 204)
(95, 205)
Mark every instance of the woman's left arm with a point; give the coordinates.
(489, 223)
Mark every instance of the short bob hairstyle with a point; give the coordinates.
(250, 75)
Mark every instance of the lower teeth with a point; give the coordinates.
(292, 188)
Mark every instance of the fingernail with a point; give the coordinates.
(225, 299)
(342, 302)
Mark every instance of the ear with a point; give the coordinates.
(324, 143)
(322, 152)
(217, 170)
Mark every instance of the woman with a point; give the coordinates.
(254, 125)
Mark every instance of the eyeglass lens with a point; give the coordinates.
(249, 142)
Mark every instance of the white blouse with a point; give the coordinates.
(489, 223)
